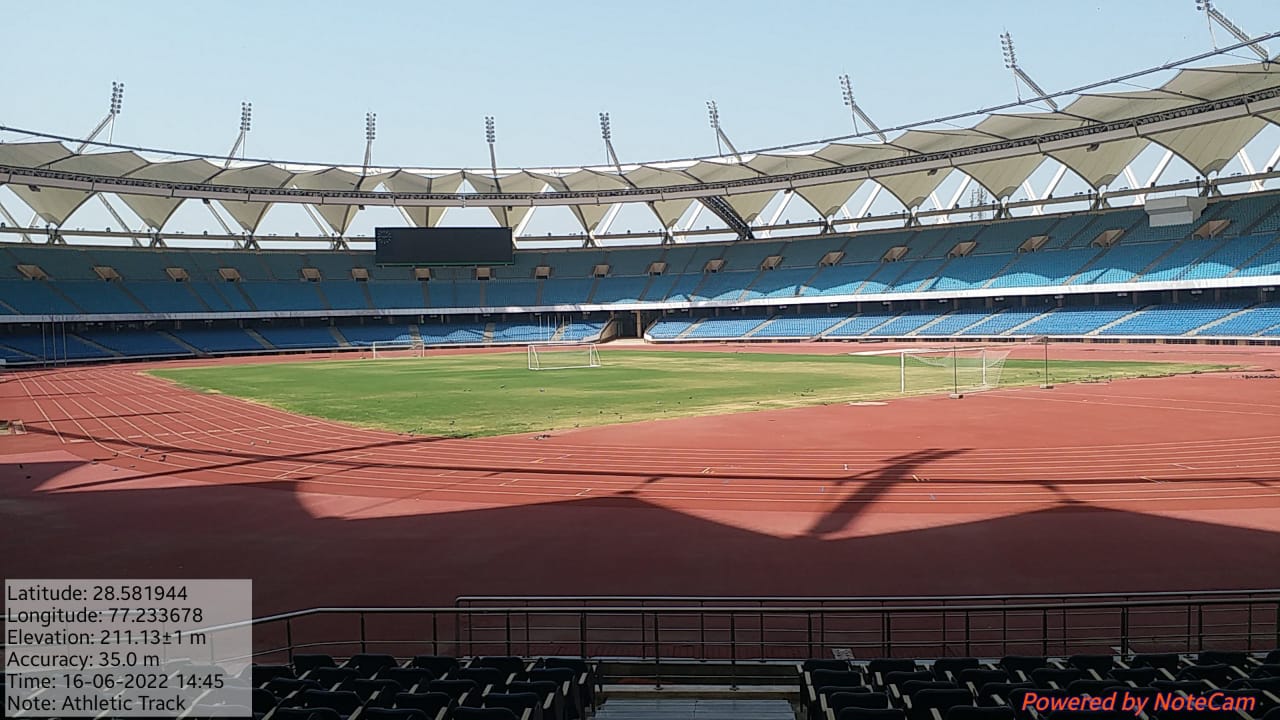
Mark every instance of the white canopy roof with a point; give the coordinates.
(1208, 121)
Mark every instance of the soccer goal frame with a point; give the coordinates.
(563, 356)
(417, 349)
(955, 370)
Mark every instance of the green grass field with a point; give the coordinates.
(495, 394)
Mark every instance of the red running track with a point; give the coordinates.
(1161, 484)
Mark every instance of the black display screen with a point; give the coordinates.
(443, 246)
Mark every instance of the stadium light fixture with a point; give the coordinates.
(489, 135)
(713, 114)
(117, 98)
(1213, 15)
(1011, 62)
(246, 116)
(846, 92)
(370, 126)
(604, 127)
(606, 132)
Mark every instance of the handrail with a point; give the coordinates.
(641, 599)
(711, 628)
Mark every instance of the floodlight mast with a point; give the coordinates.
(491, 137)
(606, 132)
(1011, 62)
(246, 121)
(713, 114)
(1212, 15)
(109, 121)
(370, 132)
(846, 91)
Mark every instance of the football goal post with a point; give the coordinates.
(957, 370)
(567, 356)
(384, 350)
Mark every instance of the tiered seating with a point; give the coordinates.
(1002, 322)
(220, 296)
(505, 293)
(1075, 320)
(391, 295)
(970, 688)
(53, 348)
(299, 338)
(840, 279)
(571, 291)
(726, 285)
(622, 289)
(666, 329)
(135, 343)
(282, 296)
(904, 323)
(452, 334)
(1250, 322)
(522, 332)
(1123, 262)
(680, 290)
(801, 326)
(361, 335)
(375, 686)
(1266, 263)
(972, 271)
(169, 297)
(860, 325)
(34, 297)
(466, 293)
(1046, 267)
(582, 331)
(955, 322)
(724, 327)
(343, 295)
(781, 283)
(99, 297)
(917, 276)
(1170, 320)
(219, 340)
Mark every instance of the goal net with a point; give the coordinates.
(551, 356)
(384, 350)
(959, 370)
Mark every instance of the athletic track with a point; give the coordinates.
(1161, 484)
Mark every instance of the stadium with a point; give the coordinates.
(953, 420)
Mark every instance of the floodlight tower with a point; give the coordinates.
(491, 137)
(1212, 15)
(109, 122)
(607, 134)
(846, 91)
(370, 132)
(246, 120)
(713, 114)
(1011, 62)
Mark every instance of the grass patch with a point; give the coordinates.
(494, 394)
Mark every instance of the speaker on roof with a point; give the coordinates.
(1179, 210)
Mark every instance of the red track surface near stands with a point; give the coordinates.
(1162, 484)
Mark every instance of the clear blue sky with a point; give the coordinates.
(433, 70)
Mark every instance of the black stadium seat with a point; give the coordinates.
(430, 703)
(369, 664)
(307, 662)
(865, 714)
(950, 668)
(397, 714)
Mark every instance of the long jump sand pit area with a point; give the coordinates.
(1144, 484)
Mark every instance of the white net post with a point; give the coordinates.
(567, 356)
(957, 370)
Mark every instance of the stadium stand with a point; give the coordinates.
(891, 299)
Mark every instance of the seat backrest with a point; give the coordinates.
(428, 702)
(888, 665)
(438, 664)
(453, 688)
(1137, 676)
(508, 664)
(468, 713)
(824, 678)
(941, 699)
(344, 701)
(409, 678)
(823, 664)
(839, 701)
(953, 665)
(368, 664)
(1098, 663)
(912, 687)
(1023, 663)
(367, 688)
(980, 676)
(968, 712)
(898, 677)
(1165, 661)
(396, 714)
(331, 676)
(513, 701)
(869, 714)
(260, 674)
(311, 661)
(1222, 657)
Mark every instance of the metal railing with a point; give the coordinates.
(770, 629)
